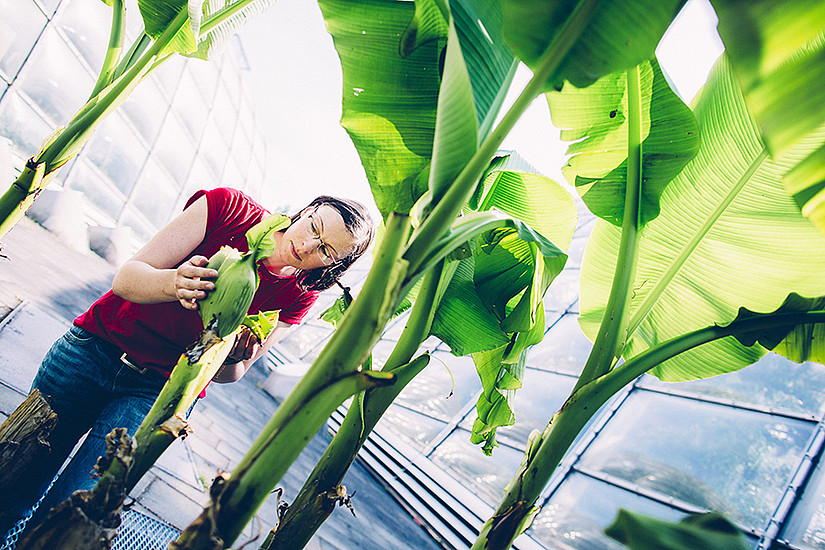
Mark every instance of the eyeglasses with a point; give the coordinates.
(325, 252)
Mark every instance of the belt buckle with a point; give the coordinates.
(125, 360)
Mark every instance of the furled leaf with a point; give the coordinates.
(595, 119)
(222, 19)
(804, 342)
(708, 530)
(617, 34)
(777, 49)
(728, 236)
(462, 321)
(159, 15)
(501, 371)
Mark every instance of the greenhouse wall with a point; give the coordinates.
(188, 125)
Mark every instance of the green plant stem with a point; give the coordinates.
(113, 51)
(462, 230)
(459, 192)
(312, 505)
(135, 52)
(159, 428)
(20, 195)
(612, 334)
(83, 124)
(499, 532)
(235, 501)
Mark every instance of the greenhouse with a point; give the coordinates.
(607, 338)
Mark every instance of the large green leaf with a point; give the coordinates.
(493, 306)
(803, 342)
(391, 100)
(778, 53)
(159, 15)
(618, 34)
(728, 236)
(595, 119)
(222, 19)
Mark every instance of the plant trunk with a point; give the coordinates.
(323, 489)
(320, 492)
(88, 520)
(24, 443)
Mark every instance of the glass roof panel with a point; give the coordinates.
(806, 525)
(20, 24)
(54, 79)
(487, 476)
(564, 349)
(412, 428)
(443, 388)
(581, 508)
(711, 456)
(772, 382)
(542, 394)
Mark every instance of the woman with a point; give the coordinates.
(107, 370)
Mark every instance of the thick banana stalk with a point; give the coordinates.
(88, 520)
(221, 521)
(186, 382)
(317, 497)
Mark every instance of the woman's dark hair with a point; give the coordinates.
(358, 222)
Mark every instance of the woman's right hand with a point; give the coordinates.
(192, 281)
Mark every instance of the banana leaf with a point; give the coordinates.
(618, 34)
(778, 54)
(728, 236)
(392, 87)
(708, 530)
(595, 119)
(804, 342)
(158, 16)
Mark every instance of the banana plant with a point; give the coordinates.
(128, 458)
(194, 28)
(646, 112)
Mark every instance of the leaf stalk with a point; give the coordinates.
(612, 334)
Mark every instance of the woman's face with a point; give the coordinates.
(318, 238)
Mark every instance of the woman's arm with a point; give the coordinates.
(150, 276)
(233, 371)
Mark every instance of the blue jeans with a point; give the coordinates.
(88, 387)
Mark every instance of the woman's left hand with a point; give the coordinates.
(246, 345)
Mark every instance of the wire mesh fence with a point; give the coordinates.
(137, 532)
